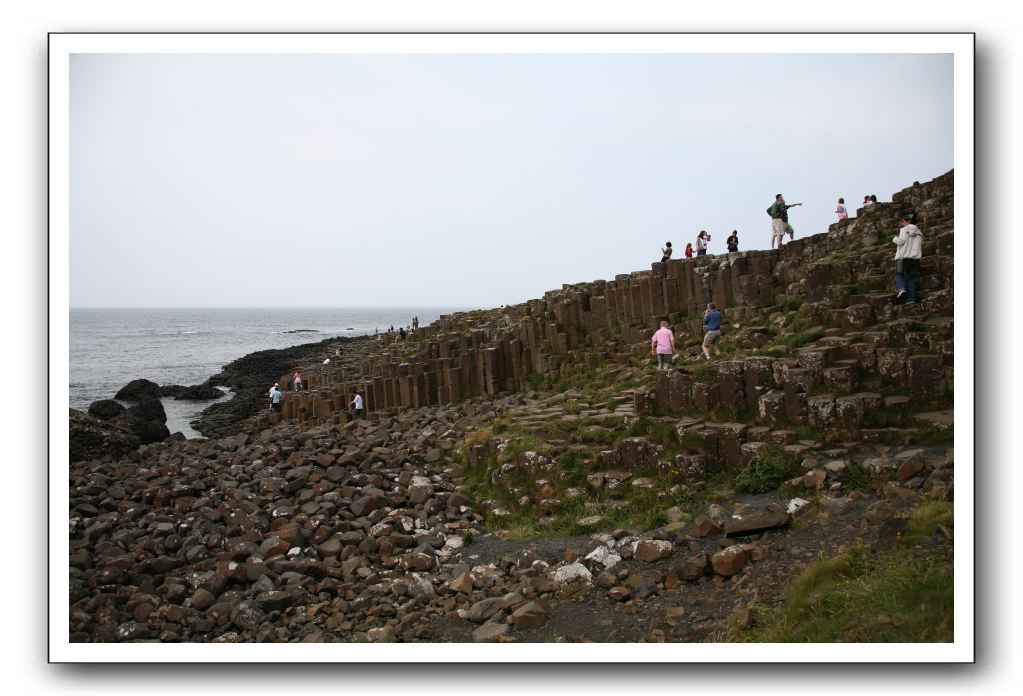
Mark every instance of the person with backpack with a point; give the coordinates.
(666, 252)
(908, 252)
(779, 212)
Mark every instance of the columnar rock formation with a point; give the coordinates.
(844, 278)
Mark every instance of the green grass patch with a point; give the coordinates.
(903, 595)
(770, 469)
(798, 340)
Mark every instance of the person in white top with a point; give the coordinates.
(356, 402)
(908, 252)
(842, 214)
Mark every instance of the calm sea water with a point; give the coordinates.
(111, 347)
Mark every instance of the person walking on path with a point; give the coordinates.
(689, 250)
(663, 346)
(842, 213)
(712, 339)
(701, 243)
(298, 380)
(908, 251)
(356, 403)
(275, 399)
(779, 212)
(666, 252)
(733, 241)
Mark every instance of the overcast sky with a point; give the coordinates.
(466, 180)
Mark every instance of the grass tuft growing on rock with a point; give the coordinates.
(770, 469)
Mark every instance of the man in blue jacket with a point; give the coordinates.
(712, 320)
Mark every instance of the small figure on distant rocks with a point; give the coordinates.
(666, 252)
(842, 213)
(689, 250)
(663, 346)
(873, 199)
(908, 252)
(402, 333)
(733, 241)
(701, 243)
(712, 321)
(270, 394)
(275, 398)
(867, 202)
(298, 380)
(779, 212)
(415, 323)
(356, 403)
(338, 350)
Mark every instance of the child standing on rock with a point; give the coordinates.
(689, 250)
(298, 380)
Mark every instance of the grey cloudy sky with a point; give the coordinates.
(465, 180)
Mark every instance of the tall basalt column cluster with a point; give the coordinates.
(484, 353)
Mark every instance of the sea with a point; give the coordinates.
(111, 347)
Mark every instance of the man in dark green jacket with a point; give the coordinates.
(780, 220)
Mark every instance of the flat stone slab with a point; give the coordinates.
(939, 419)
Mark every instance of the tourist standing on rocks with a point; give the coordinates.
(733, 241)
(401, 333)
(712, 321)
(663, 346)
(779, 212)
(271, 393)
(689, 250)
(275, 399)
(666, 252)
(867, 202)
(298, 380)
(701, 243)
(356, 403)
(873, 199)
(842, 214)
(908, 251)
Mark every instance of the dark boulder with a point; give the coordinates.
(105, 409)
(138, 389)
(199, 392)
(93, 438)
(149, 410)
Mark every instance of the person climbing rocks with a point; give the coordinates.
(712, 339)
(270, 394)
(779, 212)
(662, 344)
(356, 403)
(701, 243)
(689, 250)
(275, 399)
(733, 241)
(842, 213)
(908, 252)
(298, 380)
(666, 252)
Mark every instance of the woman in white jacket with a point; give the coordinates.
(908, 251)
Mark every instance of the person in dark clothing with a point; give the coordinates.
(712, 339)
(733, 241)
(666, 252)
(779, 212)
